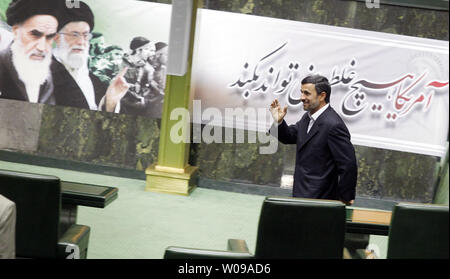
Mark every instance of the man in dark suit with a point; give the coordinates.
(25, 63)
(75, 85)
(325, 166)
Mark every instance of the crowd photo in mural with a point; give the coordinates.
(50, 53)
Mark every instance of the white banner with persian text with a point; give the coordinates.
(392, 91)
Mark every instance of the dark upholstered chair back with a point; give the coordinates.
(38, 203)
(300, 228)
(191, 253)
(418, 231)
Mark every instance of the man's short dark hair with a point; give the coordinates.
(321, 84)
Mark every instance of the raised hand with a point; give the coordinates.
(278, 113)
(116, 90)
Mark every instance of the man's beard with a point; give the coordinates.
(33, 73)
(70, 59)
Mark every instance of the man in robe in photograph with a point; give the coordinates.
(159, 63)
(156, 97)
(25, 63)
(139, 76)
(74, 84)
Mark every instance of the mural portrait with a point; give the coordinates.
(75, 53)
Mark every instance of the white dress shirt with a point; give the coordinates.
(81, 77)
(33, 92)
(314, 116)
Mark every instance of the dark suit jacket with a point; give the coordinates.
(325, 166)
(11, 87)
(67, 91)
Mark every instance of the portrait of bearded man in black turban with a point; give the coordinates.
(25, 63)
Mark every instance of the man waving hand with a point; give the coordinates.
(325, 166)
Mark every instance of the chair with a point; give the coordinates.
(418, 231)
(288, 228)
(38, 204)
(7, 228)
(191, 253)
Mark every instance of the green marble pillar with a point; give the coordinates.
(172, 173)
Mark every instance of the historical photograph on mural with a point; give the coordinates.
(85, 54)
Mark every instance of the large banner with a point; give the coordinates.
(391, 91)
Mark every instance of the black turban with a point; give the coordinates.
(83, 13)
(20, 10)
(137, 42)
